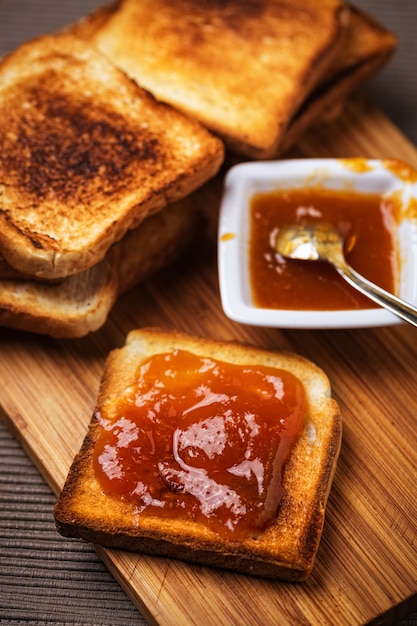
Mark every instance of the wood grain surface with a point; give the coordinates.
(367, 561)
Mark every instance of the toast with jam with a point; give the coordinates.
(212, 452)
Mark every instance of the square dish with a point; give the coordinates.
(243, 181)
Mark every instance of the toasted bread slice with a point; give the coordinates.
(85, 155)
(77, 305)
(365, 47)
(368, 46)
(242, 69)
(69, 308)
(7, 272)
(286, 549)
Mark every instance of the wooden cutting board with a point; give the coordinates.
(367, 561)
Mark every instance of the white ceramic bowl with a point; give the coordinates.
(362, 175)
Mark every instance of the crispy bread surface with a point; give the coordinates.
(85, 155)
(287, 548)
(367, 47)
(364, 48)
(69, 308)
(77, 305)
(241, 68)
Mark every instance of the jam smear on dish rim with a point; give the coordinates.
(202, 439)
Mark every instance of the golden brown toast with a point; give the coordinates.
(367, 48)
(242, 69)
(77, 305)
(366, 40)
(69, 308)
(286, 549)
(362, 50)
(85, 155)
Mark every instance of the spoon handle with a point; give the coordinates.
(394, 304)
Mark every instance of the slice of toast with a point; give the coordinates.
(70, 308)
(77, 305)
(85, 155)
(286, 549)
(364, 48)
(368, 46)
(242, 69)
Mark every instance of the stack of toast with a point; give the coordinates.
(95, 176)
(110, 124)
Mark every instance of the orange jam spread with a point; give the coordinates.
(366, 222)
(202, 439)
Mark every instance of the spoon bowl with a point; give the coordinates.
(310, 242)
(322, 242)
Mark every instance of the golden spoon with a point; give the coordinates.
(322, 242)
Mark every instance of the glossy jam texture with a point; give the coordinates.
(202, 439)
(367, 223)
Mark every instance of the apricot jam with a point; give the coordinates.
(202, 439)
(366, 223)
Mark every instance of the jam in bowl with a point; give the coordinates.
(372, 203)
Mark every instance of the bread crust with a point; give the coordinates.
(77, 305)
(368, 46)
(251, 67)
(287, 548)
(85, 155)
(363, 47)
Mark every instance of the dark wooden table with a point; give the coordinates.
(45, 579)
